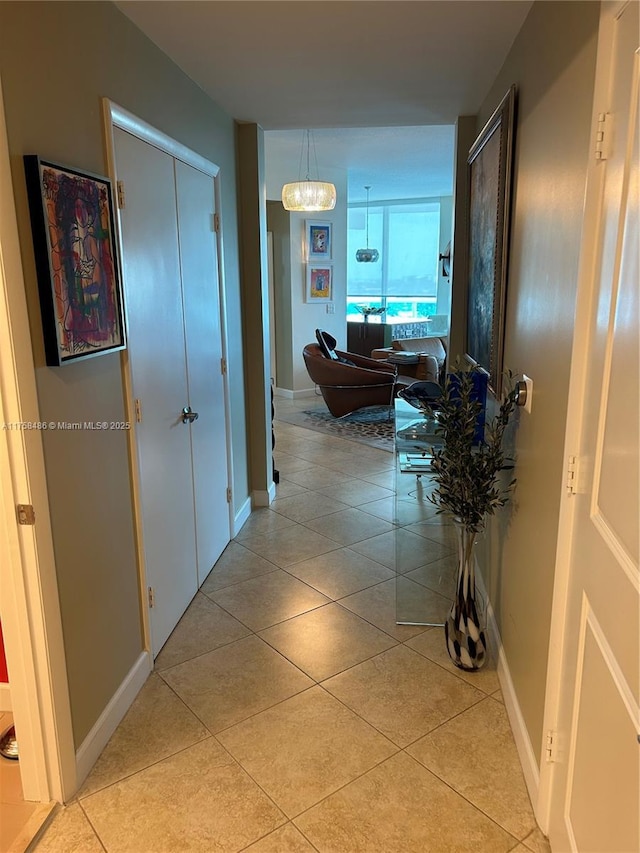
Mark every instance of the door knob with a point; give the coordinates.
(188, 416)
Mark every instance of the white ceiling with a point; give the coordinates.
(383, 68)
(396, 162)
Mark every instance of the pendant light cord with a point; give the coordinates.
(302, 156)
(310, 142)
(367, 189)
(306, 136)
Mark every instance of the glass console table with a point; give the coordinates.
(426, 550)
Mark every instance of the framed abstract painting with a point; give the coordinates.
(490, 165)
(318, 240)
(74, 241)
(319, 283)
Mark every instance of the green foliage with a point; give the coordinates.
(466, 476)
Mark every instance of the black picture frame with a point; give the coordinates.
(73, 228)
(490, 166)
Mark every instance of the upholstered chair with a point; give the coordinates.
(349, 382)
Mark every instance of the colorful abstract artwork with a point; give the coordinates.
(319, 283)
(74, 241)
(318, 240)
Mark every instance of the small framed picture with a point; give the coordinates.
(318, 240)
(319, 283)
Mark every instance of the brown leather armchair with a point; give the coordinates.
(349, 382)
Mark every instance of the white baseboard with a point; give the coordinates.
(283, 392)
(262, 498)
(91, 747)
(295, 395)
(5, 698)
(241, 516)
(526, 752)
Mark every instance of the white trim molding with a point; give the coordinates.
(286, 394)
(108, 721)
(524, 746)
(241, 517)
(304, 393)
(283, 392)
(30, 608)
(526, 752)
(132, 124)
(261, 498)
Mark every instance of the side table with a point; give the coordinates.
(426, 548)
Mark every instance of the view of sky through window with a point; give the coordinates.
(404, 280)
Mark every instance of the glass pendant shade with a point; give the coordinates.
(367, 256)
(309, 195)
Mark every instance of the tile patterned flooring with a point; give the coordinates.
(288, 712)
(19, 820)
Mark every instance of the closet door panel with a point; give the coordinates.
(156, 351)
(203, 341)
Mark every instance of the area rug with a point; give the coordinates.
(371, 426)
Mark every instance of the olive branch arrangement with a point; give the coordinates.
(466, 472)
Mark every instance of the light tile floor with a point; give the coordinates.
(288, 712)
(19, 820)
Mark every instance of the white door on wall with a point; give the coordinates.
(596, 783)
(203, 341)
(174, 350)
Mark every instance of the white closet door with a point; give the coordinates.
(203, 341)
(156, 350)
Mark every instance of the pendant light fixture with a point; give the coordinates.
(367, 256)
(308, 194)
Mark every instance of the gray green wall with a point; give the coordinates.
(56, 62)
(552, 62)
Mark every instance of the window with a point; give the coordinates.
(404, 281)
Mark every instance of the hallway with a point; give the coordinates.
(289, 712)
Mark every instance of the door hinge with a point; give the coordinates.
(216, 222)
(120, 193)
(550, 747)
(151, 596)
(572, 475)
(223, 366)
(602, 136)
(228, 496)
(138, 408)
(26, 514)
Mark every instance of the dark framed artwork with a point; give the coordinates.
(74, 241)
(490, 166)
